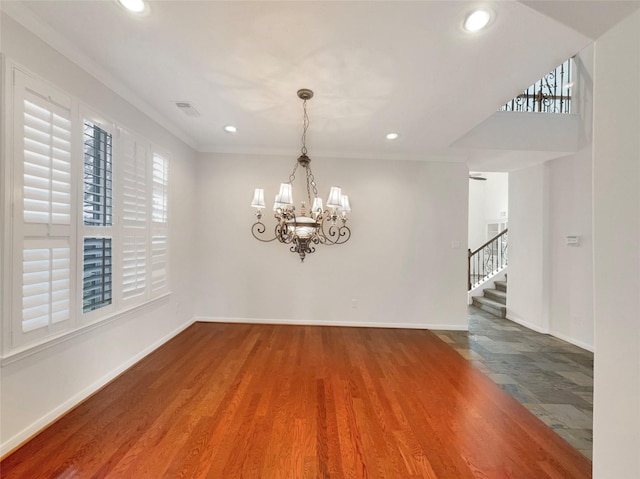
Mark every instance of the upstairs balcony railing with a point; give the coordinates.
(551, 94)
(487, 260)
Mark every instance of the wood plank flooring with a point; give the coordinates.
(261, 401)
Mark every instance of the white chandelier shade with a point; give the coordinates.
(335, 195)
(258, 198)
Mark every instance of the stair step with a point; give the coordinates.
(490, 306)
(501, 285)
(496, 295)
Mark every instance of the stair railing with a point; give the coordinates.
(487, 260)
(550, 94)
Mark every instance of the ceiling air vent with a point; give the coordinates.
(186, 108)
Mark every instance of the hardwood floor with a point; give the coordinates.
(261, 401)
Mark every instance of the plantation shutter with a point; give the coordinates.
(159, 257)
(134, 208)
(45, 283)
(159, 220)
(47, 161)
(43, 191)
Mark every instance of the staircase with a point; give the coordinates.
(494, 300)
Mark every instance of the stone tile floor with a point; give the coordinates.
(551, 378)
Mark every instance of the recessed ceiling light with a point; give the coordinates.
(136, 6)
(392, 136)
(477, 20)
(230, 129)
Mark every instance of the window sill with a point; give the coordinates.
(25, 351)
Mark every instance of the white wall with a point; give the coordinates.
(571, 189)
(477, 221)
(488, 203)
(496, 203)
(571, 266)
(550, 282)
(405, 264)
(529, 274)
(522, 131)
(616, 235)
(40, 387)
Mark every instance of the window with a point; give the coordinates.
(97, 176)
(89, 231)
(96, 275)
(97, 217)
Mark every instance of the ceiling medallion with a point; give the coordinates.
(304, 231)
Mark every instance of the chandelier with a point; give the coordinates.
(307, 229)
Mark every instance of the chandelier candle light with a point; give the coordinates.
(305, 230)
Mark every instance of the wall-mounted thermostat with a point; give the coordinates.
(573, 240)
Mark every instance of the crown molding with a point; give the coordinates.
(21, 14)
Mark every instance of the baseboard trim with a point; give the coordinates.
(555, 334)
(575, 342)
(350, 324)
(526, 324)
(29, 432)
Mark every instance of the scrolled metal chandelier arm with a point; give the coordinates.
(258, 228)
(302, 231)
(336, 234)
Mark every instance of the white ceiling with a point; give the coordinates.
(375, 66)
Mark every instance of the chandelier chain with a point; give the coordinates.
(305, 126)
(292, 176)
(311, 183)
